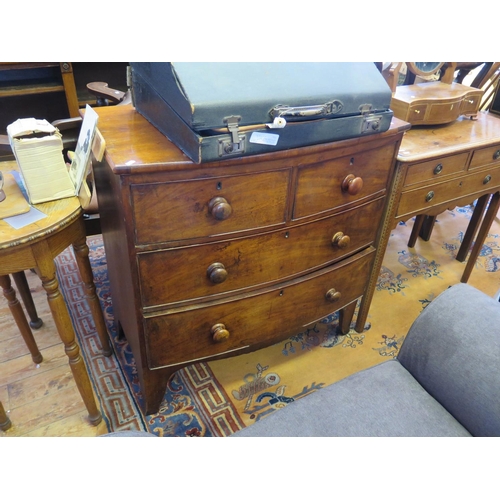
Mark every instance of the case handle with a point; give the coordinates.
(329, 108)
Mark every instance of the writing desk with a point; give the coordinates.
(35, 246)
(440, 168)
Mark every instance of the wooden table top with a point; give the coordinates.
(59, 214)
(428, 142)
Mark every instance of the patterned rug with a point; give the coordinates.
(218, 398)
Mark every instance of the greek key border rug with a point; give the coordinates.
(220, 397)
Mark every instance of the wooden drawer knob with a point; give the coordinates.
(487, 179)
(219, 332)
(429, 196)
(219, 208)
(333, 295)
(216, 272)
(496, 154)
(438, 169)
(352, 184)
(341, 240)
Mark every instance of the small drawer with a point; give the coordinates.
(199, 271)
(485, 156)
(417, 113)
(446, 192)
(435, 169)
(207, 207)
(264, 317)
(331, 184)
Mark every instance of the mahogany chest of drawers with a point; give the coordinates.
(218, 259)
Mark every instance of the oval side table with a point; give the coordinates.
(35, 246)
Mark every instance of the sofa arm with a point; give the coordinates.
(453, 350)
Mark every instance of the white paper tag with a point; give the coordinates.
(262, 138)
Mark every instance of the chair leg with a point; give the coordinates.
(5, 422)
(24, 290)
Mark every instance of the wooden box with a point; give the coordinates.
(435, 103)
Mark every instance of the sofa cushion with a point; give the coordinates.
(384, 400)
(453, 350)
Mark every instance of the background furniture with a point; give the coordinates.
(444, 382)
(212, 260)
(53, 90)
(35, 246)
(439, 168)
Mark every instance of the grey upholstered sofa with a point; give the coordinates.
(444, 382)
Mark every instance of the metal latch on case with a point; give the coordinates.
(371, 122)
(236, 143)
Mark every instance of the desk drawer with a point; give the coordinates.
(263, 317)
(184, 273)
(320, 186)
(444, 192)
(485, 156)
(206, 207)
(435, 169)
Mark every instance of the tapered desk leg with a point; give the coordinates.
(483, 231)
(468, 238)
(82, 258)
(417, 226)
(20, 318)
(24, 292)
(47, 273)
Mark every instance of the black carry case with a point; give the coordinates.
(214, 111)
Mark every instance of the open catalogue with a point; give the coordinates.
(38, 149)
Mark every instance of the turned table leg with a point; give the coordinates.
(47, 273)
(20, 318)
(82, 258)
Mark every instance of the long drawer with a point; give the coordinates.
(271, 314)
(436, 169)
(436, 194)
(207, 207)
(184, 273)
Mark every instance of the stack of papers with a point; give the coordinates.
(37, 146)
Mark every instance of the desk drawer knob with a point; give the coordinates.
(219, 208)
(333, 295)
(216, 272)
(496, 155)
(219, 333)
(341, 240)
(429, 196)
(487, 179)
(352, 184)
(438, 169)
